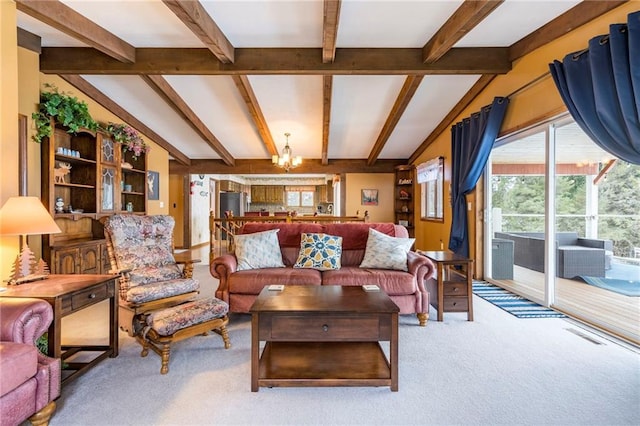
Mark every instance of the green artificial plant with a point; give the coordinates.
(67, 110)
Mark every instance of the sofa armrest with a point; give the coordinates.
(24, 320)
(221, 268)
(596, 243)
(420, 267)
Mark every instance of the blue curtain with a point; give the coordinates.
(471, 143)
(601, 88)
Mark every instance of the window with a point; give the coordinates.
(300, 196)
(431, 180)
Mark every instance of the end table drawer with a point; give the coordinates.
(88, 296)
(325, 328)
(455, 288)
(456, 304)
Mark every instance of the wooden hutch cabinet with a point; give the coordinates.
(86, 176)
(403, 198)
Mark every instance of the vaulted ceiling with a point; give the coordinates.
(361, 85)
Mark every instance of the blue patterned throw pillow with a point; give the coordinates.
(319, 251)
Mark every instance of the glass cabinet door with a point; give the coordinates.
(107, 184)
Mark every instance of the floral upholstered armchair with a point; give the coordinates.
(141, 252)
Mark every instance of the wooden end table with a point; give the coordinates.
(68, 294)
(452, 289)
(323, 336)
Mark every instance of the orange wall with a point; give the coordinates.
(539, 101)
(383, 182)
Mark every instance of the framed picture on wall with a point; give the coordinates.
(369, 197)
(153, 185)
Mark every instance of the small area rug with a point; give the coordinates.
(626, 287)
(512, 303)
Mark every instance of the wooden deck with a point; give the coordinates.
(612, 312)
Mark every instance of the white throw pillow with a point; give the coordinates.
(386, 252)
(258, 250)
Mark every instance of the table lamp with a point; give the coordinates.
(26, 216)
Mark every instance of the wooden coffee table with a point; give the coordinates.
(323, 336)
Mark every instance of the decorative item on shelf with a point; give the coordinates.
(403, 222)
(128, 188)
(405, 181)
(404, 194)
(405, 209)
(129, 138)
(65, 109)
(61, 172)
(286, 160)
(59, 205)
(26, 216)
(126, 165)
(130, 207)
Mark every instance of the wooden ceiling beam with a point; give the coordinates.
(582, 13)
(91, 91)
(196, 18)
(327, 93)
(250, 99)
(409, 88)
(173, 99)
(330, 29)
(308, 166)
(463, 20)
(277, 61)
(446, 122)
(63, 18)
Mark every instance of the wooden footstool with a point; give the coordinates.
(170, 325)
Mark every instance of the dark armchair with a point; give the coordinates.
(29, 380)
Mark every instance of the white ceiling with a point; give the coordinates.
(294, 103)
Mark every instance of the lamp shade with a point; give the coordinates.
(26, 216)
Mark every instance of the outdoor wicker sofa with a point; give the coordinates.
(575, 256)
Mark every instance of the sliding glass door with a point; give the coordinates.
(564, 225)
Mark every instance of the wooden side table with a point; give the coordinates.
(452, 290)
(68, 294)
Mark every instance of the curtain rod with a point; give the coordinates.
(529, 84)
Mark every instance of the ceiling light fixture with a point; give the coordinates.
(286, 160)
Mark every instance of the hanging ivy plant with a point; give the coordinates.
(67, 110)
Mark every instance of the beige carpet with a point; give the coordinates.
(496, 370)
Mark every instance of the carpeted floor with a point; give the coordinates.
(512, 303)
(626, 287)
(496, 370)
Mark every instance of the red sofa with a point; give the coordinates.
(406, 289)
(29, 380)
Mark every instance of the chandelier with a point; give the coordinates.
(286, 160)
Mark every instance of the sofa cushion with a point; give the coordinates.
(153, 274)
(393, 282)
(252, 281)
(18, 363)
(258, 250)
(385, 252)
(161, 289)
(319, 251)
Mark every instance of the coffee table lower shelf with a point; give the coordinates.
(323, 364)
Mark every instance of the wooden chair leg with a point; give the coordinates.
(166, 352)
(225, 336)
(145, 347)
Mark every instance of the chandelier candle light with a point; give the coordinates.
(286, 160)
(26, 216)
